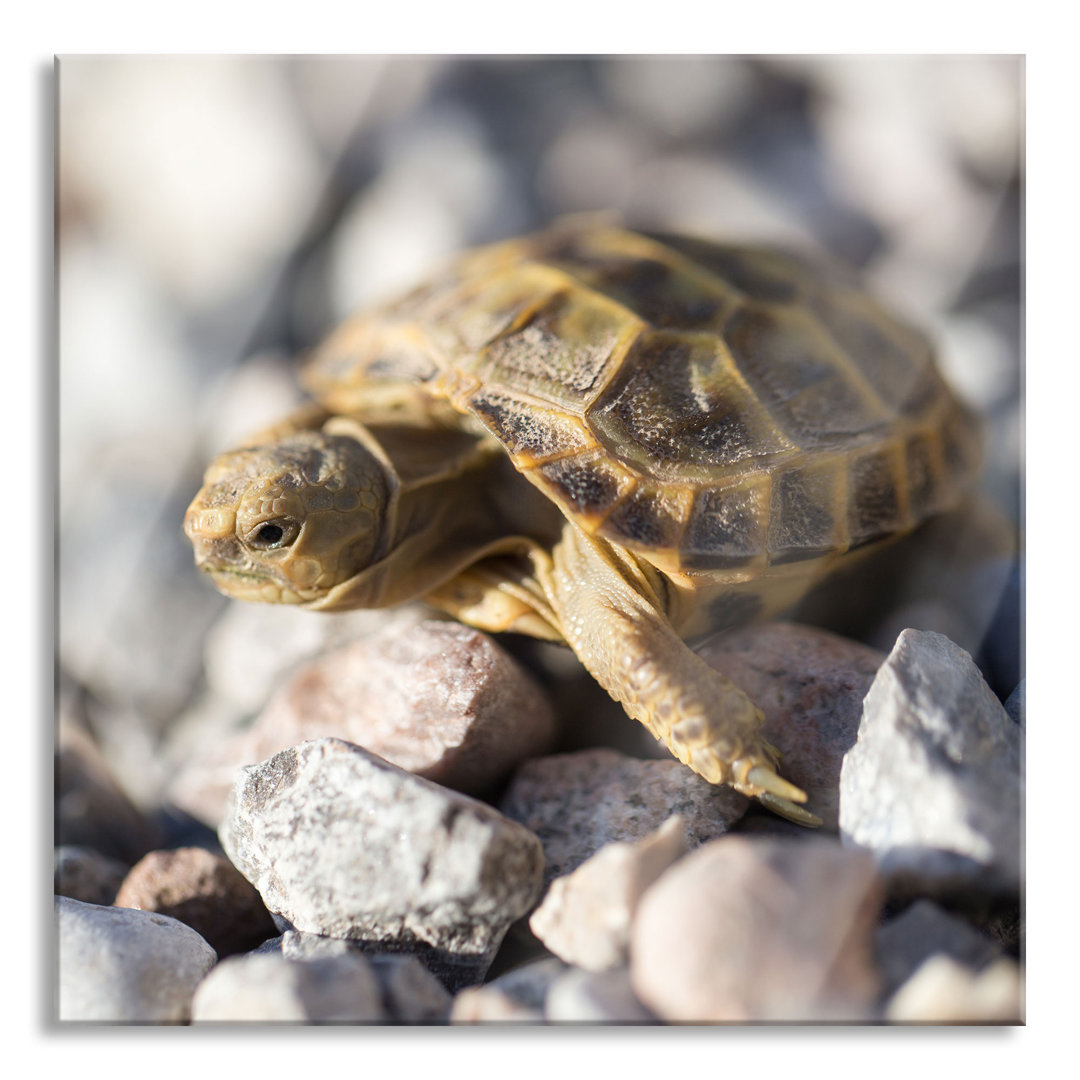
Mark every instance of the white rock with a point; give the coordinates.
(590, 997)
(269, 987)
(944, 991)
(933, 785)
(124, 966)
(585, 917)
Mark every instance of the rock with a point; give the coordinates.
(1016, 704)
(577, 803)
(590, 997)
(126, 966)
(436, 698)
(746, 930)
(925, 930)
(203, 890)
(91, 809)
(585, 917)
(344, 844)
(810, 684)
(84, 874)
(264, 987)
(944, 991)
(518, 996)
(411, 993)
(933, 785)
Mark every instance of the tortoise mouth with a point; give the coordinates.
(250, 585)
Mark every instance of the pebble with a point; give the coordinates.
(91, 810)
(595, 997)
(342, 843)
(126, 966)
(436, 698)
(924, 930)
(204, 890)
(268, 987)
(944, 991)
(585, 917)
(577, 803)
(810, 684)
(933, 786)
(519, 996)
(84, 874)
(748, 930)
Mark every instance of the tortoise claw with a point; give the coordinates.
(763, 777)
(787, 809)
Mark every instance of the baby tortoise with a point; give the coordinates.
(614, 439)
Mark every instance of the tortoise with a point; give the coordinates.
(610, 438)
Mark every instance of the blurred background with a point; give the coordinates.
(217, 215)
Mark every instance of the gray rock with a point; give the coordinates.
(591, 997)
(577, 803)
(518, 996)
(84, 874)
(126, 966)
(269, 987)
(746, 930)
(933, 786)
(810, 684)
(944, 991)
(1016, 704)
(436, 698)
(344, 844)
(926, 930)
(585, 917)
(91, 809)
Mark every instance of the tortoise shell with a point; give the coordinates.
(710, 407)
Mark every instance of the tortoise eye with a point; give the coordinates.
(272, 534)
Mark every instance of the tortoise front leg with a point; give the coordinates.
(629, 647)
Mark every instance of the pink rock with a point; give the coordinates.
(810, 684)
(436, 698)
(759, 930)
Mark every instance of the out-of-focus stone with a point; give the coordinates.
(342, 843)
(91, 809)
(810, 684)
(1016, 704)
(436, 698)
(126, 966)
(585, 917)
(84, 874)
(944, 991)
(577, 803)
(759, 930)
(518, 996)
(925, 930)
(933, 786)
(266, 988)
(203, 890)
(595, 997)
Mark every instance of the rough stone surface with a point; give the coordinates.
(518, 996)
(585, 917)
(342, 843)
(205, 891)
(926, 930)
(262, 987)
(933, 786)
(91, 809)
(759, 930)
(436, 698)
(577, 803)
(85, 874)
(126, 966)
(1016, 704)
(588, 997)
(944, 991)
(810, 684)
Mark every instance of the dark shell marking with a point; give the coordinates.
(712, 407)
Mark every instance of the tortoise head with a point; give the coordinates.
(286, 522)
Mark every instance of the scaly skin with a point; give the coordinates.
(623, 639)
